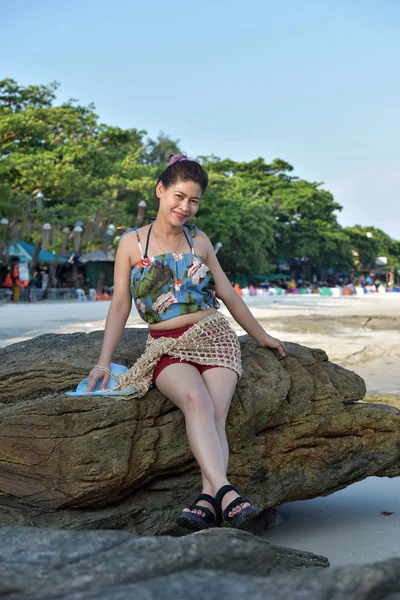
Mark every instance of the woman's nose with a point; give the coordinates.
(185, 206)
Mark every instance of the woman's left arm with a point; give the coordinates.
(236, 306)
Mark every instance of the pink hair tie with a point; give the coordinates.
(177, 158)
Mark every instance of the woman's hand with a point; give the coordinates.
(270, 342)
(96, 374)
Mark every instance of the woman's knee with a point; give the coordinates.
(196, 400)
(220, 421)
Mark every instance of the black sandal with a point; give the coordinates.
(195, 522)
(240, 517)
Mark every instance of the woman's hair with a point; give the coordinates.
(180, 167)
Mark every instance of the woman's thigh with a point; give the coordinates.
(221, 383)
(184, 386)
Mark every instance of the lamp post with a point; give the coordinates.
(218, 247)
(39, 200)
(77, 237)
(140, 213)
(54, 263)
(4, 236)
(109, 236)
(46, 236)
(77, 231)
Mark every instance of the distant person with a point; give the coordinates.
(16, 282)
(8, 281)
(347, 290)
(33, 286)
(237, 289)
(45, 279)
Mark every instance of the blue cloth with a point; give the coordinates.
(116, 370)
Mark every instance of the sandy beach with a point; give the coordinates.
(359, 333)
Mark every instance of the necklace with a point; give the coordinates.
(179, 243)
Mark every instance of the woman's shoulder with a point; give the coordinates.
(200, 236)
(201, 242)
(133, 232)
(195, 231)
(129, 243)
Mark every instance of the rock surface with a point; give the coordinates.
(45, 564)
(295, 431)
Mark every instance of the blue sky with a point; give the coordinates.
(314, 82)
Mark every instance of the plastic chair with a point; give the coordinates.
(81, 295)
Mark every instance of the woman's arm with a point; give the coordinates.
(118, 312)
(236, 306)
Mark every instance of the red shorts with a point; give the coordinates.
(166, 360)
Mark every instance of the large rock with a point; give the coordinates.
(46, 564)
(296, 430)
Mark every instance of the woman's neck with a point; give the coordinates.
(166, 230)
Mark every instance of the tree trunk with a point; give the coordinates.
(35, 258)
(53, 266)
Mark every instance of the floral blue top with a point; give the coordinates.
(172, 284)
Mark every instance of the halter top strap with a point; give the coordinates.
(190, 242)
(147, 242)
(139, 243)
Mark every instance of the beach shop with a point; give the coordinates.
(22, 254)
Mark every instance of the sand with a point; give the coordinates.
(347, 527)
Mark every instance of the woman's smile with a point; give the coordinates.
(179, 215)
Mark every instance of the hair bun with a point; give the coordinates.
(176, 158)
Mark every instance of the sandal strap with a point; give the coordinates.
(208, 514)
(221, 493)
(209, 499)
(234, 503)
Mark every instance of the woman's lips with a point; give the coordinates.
(179, 216)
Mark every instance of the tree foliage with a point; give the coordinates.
(60, 165)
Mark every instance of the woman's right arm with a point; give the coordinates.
(118, 312)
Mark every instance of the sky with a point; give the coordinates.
(313, 82)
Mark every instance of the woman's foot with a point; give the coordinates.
(198, 511)
(203, 514)
(227, 499)
(234, 508)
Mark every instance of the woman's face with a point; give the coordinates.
(180, 201)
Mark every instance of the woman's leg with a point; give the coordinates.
(185, 387)
(221, 383)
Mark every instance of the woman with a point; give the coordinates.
(176, 282)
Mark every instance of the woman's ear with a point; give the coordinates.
(159, 189)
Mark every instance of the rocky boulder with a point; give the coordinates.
(296, 430)
(46, 564)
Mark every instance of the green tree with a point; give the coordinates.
(157, 152)
(368, 243)
(81, 167)
(365, 247)
(59, 164)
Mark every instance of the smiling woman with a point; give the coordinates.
(192, 354)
